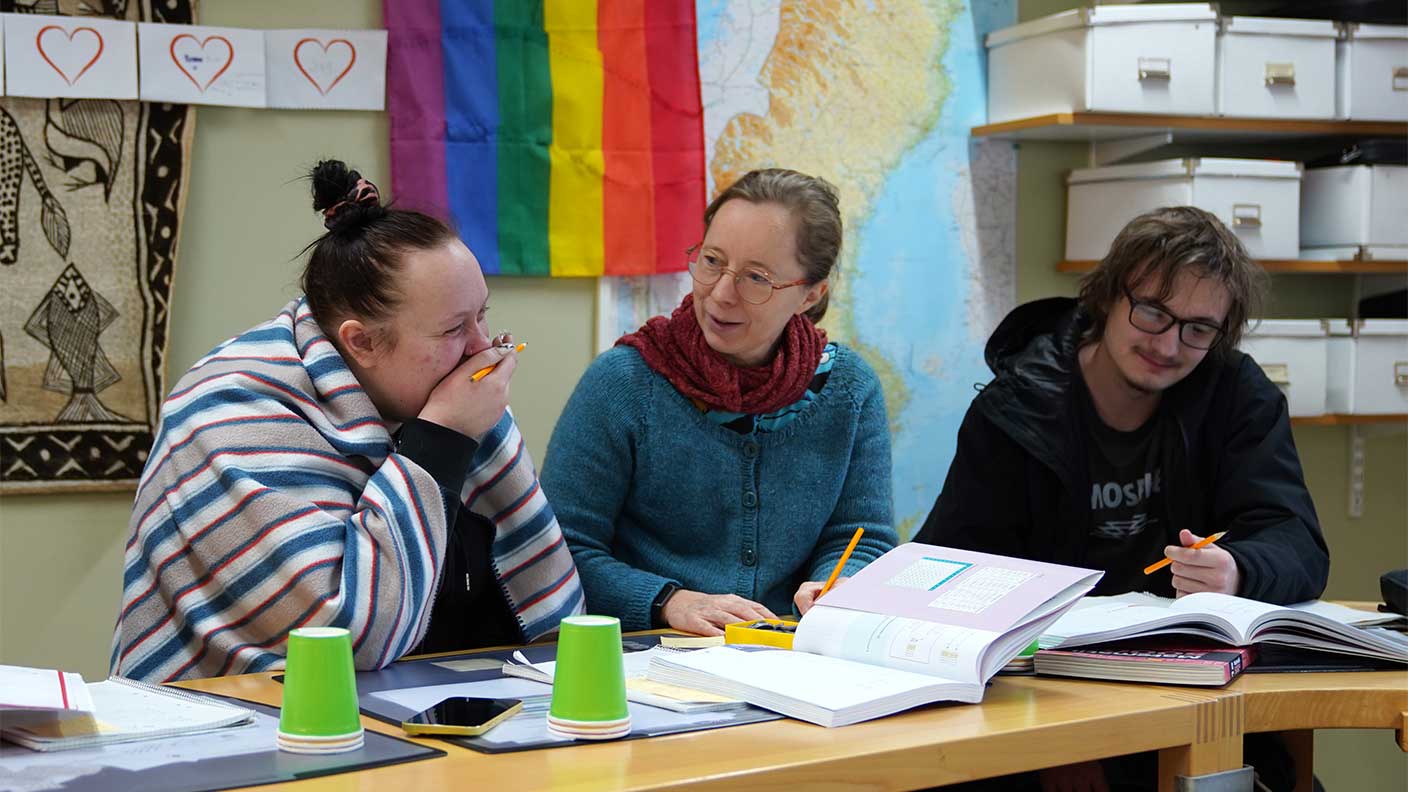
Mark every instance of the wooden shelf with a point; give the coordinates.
(1348, 420)
(1078, 127)
(1293, 266)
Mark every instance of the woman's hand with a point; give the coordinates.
(706, 614)
(807, 593)
(468, 407)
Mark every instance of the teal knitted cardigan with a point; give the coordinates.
(648, 490)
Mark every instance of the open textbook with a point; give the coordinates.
(1233, 620)
(918, 625)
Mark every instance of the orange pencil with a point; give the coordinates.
(1157, 565)
(484, 372)
(835, 573)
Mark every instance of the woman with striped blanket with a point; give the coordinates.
(339, 465)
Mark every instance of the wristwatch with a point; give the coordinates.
(657, 608)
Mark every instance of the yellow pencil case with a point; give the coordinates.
(749, 633)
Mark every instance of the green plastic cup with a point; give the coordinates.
(320, 691)
(589, 681)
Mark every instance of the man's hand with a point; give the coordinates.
(1208, 569)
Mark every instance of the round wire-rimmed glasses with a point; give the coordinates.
(755, 286)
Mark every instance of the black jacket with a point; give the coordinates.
(1019, 484)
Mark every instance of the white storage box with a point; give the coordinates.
(1368, 373)
(1292, 354)
(1110, 58)
(1258, 199)
(1354, 205)
(1276, 68)
(1371, 68)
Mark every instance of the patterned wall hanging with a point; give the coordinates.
(91, 197)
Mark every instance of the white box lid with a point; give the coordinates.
(1376, 327)
(1272, 26)
(1191, 166)
(1383, 327)
(1125, 13)
(1292, 328)
(1103, 15)
(1357, 30)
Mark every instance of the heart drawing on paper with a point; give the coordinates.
(321, 66)
(194, 58)
(67, 52)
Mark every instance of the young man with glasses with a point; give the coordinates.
(1125, 426)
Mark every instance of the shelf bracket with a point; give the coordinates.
(1356, 472)
(1109, 152)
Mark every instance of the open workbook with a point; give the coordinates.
(1232, 620)
(920, 624)
(638, 688)
(118, 710)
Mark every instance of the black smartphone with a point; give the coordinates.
(462, 715)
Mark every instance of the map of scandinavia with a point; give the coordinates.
(878, 99)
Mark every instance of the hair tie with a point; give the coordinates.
(363, 193)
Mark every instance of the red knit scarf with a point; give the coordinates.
(677, 350)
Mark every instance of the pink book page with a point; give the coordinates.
(958, 587)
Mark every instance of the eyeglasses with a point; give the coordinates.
(1150, 318)
(754, 285)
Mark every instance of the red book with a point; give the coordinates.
(1168, 662)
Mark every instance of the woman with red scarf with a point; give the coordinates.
(713, 465)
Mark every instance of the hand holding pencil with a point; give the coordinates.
(468, 399)
(1199, 565)
(811, 591)
(484, 372)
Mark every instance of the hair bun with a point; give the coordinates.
(345, 199)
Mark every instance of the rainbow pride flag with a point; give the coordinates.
(561, 137)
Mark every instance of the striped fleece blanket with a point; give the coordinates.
(272, 500)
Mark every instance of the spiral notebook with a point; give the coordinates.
(124, 710)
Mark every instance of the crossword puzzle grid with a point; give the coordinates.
(925, 573)
(981, 589)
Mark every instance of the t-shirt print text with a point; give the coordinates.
(1120, 499)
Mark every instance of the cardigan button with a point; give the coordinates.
(750, 500)
(749, 557)
(750, 449)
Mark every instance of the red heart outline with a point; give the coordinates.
(39, 45)
(299, 62)
(202, 44)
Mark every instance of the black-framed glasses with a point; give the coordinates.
(754, 285)
(1153, 319)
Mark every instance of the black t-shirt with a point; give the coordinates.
(1129, 521)
(470, 609)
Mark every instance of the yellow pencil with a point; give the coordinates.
(1157, 565)
(835, 573)
(484, 372)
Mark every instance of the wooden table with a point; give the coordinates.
(1297, 704)
(1024, 723)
